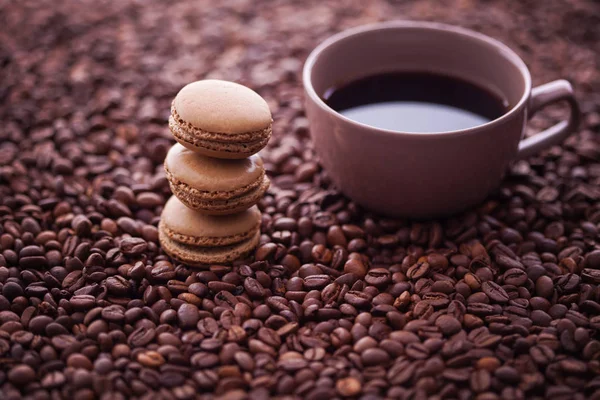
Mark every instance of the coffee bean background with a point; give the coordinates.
(501, 301)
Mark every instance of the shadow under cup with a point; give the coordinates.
(417, 175)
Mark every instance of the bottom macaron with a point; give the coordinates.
(198, 239)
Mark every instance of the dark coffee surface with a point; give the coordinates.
(500, 302)
(417, 102)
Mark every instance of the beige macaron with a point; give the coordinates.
(198, 239)
(212, 185)
(220, 119)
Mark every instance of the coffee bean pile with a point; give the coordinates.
(499, 302)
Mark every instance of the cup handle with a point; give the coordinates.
(541, 96)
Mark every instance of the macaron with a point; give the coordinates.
(212, 185)
(198, 239)
(220, 119)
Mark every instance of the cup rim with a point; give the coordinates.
(392, 25)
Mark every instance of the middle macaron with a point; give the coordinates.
(215, 186)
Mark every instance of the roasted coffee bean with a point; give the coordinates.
(132, 246)
(374, 356)
(254, 289)
(21, 375)
(544, 286)
(141, 336)
(417, 351)
(448, 325)
(151, 359)
(118, 285)
(188, 316)
(436, 300)
(591, 275)
(418, 271)
(515, 276)
(495, 292)
(592, 259)
(316, 281)
(355, 267)
(348, 387)
(378, 277)
(480, 380)
(357, 299)
(219, 286)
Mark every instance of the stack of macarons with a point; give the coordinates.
(214, 173)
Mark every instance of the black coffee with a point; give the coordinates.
(418, 102)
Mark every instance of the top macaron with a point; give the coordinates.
(220, 119)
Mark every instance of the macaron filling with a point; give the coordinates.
(207, 241)
(218, 206)
(224, 195)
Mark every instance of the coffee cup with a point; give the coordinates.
(425, 175)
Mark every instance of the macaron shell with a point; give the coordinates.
(212, 204)
(221, 106)
(202, 256)
(187, 222)
(213, 175)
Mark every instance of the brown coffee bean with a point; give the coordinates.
(355, 267)
(495, 292)
(374, 356)
(592, 259)
(544, 286)
(488, 363)
(38, 324)
(515, 276)
(378, 277)
(507, 374)
(81, 225)
(253, 288)
(418, 271)
(401, 372)
(218, 286)
(118, 285)
(187, 316)
(133, 246)
(21, 374)
(321, 254)
(149, 200)
(331, 293)
(336, 237)
(316, 281)
(448, 325)
(436, 299)
(348, 387)
(204, 360)
(591, 275)
(150, 359)
(417, 351)
(269, 337)
(357, 299)
(314, 354)
(77, 360)
(141, 337)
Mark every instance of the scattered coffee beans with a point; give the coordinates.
(501, 302)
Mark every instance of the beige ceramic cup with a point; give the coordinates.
(422, 175)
